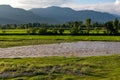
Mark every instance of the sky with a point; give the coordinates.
(111, 6)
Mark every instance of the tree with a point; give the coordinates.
(110, 28)
(32, 31)
(97, 29)
(30, 25)
(96, 24)
(116, 25)
(61, 30)
(74, 29)
(88, 24)
(42, 31)
(55, 31)
(69, 24)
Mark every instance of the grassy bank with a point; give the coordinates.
(61, 68)
(21, 40)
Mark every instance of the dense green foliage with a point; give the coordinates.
(88, 24)
(74, 28)
(61, 68)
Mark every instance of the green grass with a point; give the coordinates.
(11, 40)
(61, 68)
(22, 40)
(14, 31)
(24, 31)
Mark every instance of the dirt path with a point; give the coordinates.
(78, 49)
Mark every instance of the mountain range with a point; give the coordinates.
(10, 15)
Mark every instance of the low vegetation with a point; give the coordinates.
(61, 68)
(73, 28)
(22, 40)
(43, 33)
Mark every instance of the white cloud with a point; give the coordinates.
(117, 2)
(104, 7)
(27, 4)
(113, 7)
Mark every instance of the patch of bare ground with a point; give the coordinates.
(79, 49)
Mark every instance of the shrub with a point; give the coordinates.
(42, 31)
(61, 31)
(3, 31)
(54, 31)
(74, 30)
(32, 31)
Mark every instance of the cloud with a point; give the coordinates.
(117, 2)
(111, 7)
(27, 4)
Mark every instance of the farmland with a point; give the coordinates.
(61, 68)
(19, 37)
(57, 68)
(24, 32)
(36, 33)
(59, 43)
(22, 40)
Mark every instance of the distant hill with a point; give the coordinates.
(52, 14)
(9, 14)
(68, 14)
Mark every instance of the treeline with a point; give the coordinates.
(75, 28)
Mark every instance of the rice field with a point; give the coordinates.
(61, 68)
(22, 40)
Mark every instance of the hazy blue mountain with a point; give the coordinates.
(67, 14)
(52, 14)
(7, 21)
(9, 14)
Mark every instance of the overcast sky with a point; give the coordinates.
(112, 6)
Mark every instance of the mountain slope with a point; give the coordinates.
(67, 14)
(52, 14)
(9, 14)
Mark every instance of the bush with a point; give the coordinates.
(61, 31)
(74, 30)
(3, 31)
(42, 31)
(54, 31)
(32, 31)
